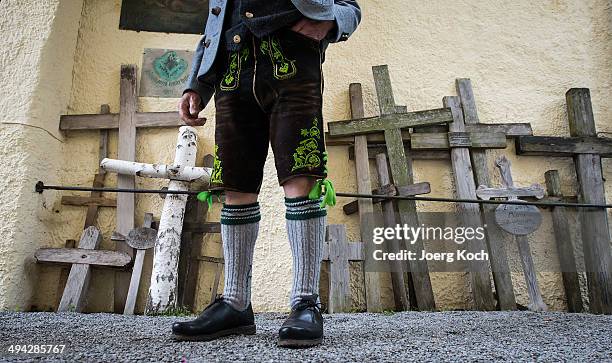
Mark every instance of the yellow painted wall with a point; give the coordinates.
(37, 52)
(522, 56)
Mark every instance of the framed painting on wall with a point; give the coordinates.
(167, 16)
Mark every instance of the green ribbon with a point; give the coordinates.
(325, 188)
(206, 196)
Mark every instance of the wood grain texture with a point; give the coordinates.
(69, 256)
(400, 162)
(494, 237)
(469, 213)
(565, 248)
(366, 209)
(398, 276)
(70, 243)
(111, 121)
(375, 124)
(354, 251)
(389, 190)
(87, 201)
(191, 246)
(445, 141)
(339, 289)
(594, 221)
(75, 293)
(374, 150)
(126, 151)
(147, 236)
(557, 146)
(536, 303)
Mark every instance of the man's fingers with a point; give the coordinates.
(184, 111)
(195, 122)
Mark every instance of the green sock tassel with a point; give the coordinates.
(325, 188)
(206, 196)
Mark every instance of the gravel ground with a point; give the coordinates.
(409, 336)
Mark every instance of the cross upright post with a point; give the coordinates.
(587, 150)
(390, 122)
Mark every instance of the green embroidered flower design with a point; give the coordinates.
(284, 68)
(215, 176)
(232, 75)
(307, 154)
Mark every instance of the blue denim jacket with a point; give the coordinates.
(260, 17)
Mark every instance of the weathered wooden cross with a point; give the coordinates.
(163, 288)
(390, 123)
(126, 121)
(565, 248)
(518, 220)
(339, 252)
(81, 259)
(587, 150)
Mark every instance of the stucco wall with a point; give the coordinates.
(39, 39)
(521, 56)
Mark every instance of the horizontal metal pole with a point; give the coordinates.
(40, 187)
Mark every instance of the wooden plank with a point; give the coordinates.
(214, 291)
(508, 129)
(374, 138)
(469, 213)
(127, 151)
(406, 190)
(548, 145)
(567, 260)
(191, 246)
(130, 302)
(69, 256)
(375, 124)
(366, 209)
(374, 150)
(401, 172)
(535, 296)
(75, 293)
(594, 221)
(354, 251)
(400, 292)
(487, 193)
(444, 141)
(87, 201)
(202, 227)
(494, 236)
(111, 121)
(339, 289)
(70, 243)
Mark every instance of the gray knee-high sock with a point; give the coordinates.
(239, 227)
(306, 230)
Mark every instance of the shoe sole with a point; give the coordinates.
(243, 330)
(299, 343)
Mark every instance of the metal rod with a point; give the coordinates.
(40, 187)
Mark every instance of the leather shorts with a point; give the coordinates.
(268, 92)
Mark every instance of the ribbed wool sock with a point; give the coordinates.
(306, 229)
(239, 227)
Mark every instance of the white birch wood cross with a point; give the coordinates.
(164, 277)
(518, 220)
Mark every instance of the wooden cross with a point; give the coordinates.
(587, 150)
(164, 276)
(339, 252)
(81, 259)
(565, 248)
(519, 221)
(390, 122)
(126, 121)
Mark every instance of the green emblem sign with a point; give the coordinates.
(164, 72)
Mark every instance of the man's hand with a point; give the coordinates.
(189, 107)
(315, 29)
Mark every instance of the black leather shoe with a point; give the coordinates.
(304, 326)
(217, 320)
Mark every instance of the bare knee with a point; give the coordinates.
(238, 198)
(299, 186)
